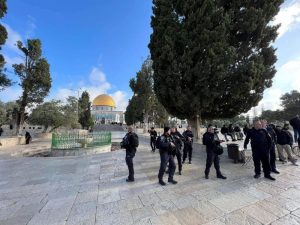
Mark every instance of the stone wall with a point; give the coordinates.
(80, 152)
(12, 141)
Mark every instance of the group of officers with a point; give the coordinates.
(173, 144)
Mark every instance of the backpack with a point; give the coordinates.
(157, 142)
(135, 140)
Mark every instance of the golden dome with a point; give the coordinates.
(104, 100)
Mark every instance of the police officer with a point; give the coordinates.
(211, 140)
(178, 138)
(166, 148)
(129, 145)
(188, 144)
(153, 136)
(261, 144)
(270, 129)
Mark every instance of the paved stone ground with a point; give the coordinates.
(91, 190)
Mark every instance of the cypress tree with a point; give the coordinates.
(212, 58)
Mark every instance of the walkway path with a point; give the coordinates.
(92, 190)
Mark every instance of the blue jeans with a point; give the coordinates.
(296, 134)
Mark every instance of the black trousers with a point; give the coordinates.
(152, 144)
(272, 158)
(210, 159)
(179, 160)
(188, 151)
(165, 158)
(129, 161)
(264, 159)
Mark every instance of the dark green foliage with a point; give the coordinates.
(290, 103)
(144, 106)
(272, 116)
(212, 58)
(4, 81)
(54, 114)
(85, 117)
(34, 74)
(48, 114)
(134, 113)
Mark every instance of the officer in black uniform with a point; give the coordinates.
(270, 129)
(178, 138)
(188, 144)
(153, 136)
(167, 147)
(261, 144)
(128, 144)
(211, 140)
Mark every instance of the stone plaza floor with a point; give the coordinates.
(91, 190)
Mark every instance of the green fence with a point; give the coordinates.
(73, 141)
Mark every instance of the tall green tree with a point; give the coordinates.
(34, 74)
(291, 104)
(217, 54)
(4, 81)
(70, 110)
(134, 111)
(85, 116)
(142, 87)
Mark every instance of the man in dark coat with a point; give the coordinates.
(261, 144)
(178, 138)
(188, 144)
(167, 147)
(153, 136)
(211, 140)
(130, 146)
(295, 123)
(270, 129)
(224, 131)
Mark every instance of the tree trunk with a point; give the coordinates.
(195, 123)
(146, 118)
(20, 120)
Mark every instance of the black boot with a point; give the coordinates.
(161, 182)
(220, 176)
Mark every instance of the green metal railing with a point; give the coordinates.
(76, 140)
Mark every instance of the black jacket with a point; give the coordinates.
(178, 138)
(261, 141)
(188, 134)
(295, 123)
(130, 147)
(237, 129)
(272, 134)
(153, 134)
(284, 137)
(211, 141)
(165, 144)
(224, 130)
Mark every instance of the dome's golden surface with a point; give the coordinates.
(104, 100)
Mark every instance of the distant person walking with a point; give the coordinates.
(295, 123)
(153, 136)
(188, 144)
(1, 130)
(27, 137)
(130, 142)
